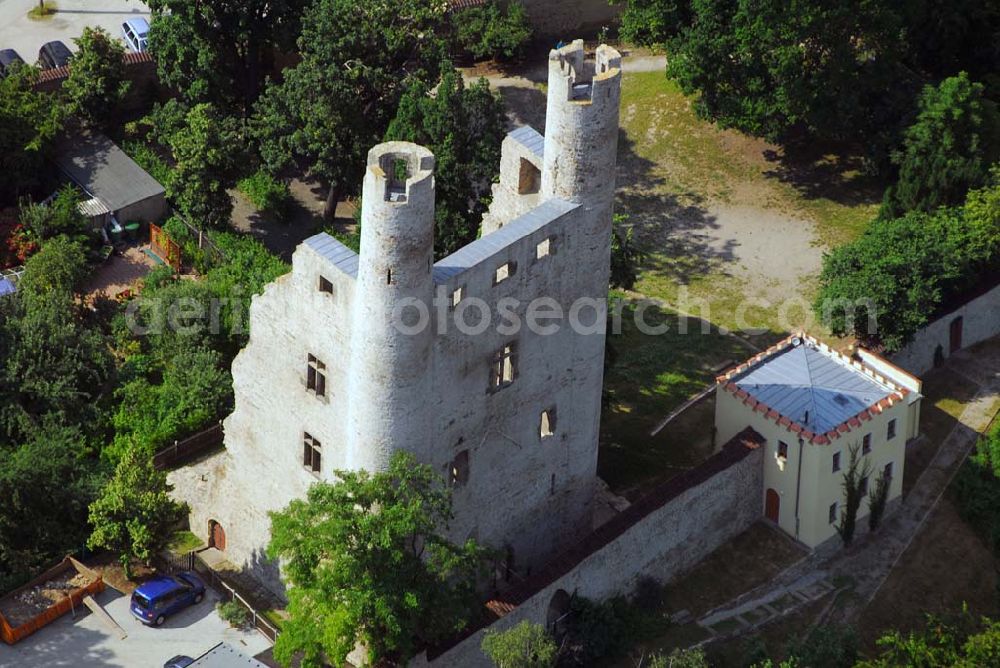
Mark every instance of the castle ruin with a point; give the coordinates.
(355, 356)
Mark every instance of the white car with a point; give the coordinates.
(136, 34)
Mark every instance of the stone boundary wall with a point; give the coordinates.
(140, 69)
(662, 535)
(980, 321)
(567, 19)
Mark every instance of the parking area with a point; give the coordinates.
(26, 36)
(86, 642)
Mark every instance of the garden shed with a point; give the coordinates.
(102, 170)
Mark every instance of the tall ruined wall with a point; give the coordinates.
(980, 321)
(683, 525)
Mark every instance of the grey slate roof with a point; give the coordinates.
(483, 248)
(529, 138)
(346, 260)
(803, 379)
(334, 252)
(224, 656)
(103, 170)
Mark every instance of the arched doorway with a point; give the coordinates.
(772, 505)
(216, 535)
(558, 611)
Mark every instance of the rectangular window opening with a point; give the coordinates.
(311, 453)
(316, 376)
(832, 517)
(891, 431)
(866, 444)
(887, 471)
(325, 286)
(836, 462)
(504, 271)
(529, 178)
(457, 296)
(782, 450)
(548, 423)
(504, 368)
(543, 249)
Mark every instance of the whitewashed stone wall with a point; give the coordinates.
(664, 544)
(430, 392)
(980, 321)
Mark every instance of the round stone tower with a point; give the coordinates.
(391, 333)
(581, 127)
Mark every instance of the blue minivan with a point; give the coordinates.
(155, 600)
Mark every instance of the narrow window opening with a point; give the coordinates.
(832, 518)
(548, 423)
(552, 485)
(891, 431)
(529, 179)
(311, 453)
(543, 249)
(866, 444)
(887, 471)
(504, 367)
(456, 296)
(504, 271)
(836, 462)
(325, 286)
(316, 376)
(458, 470)
(388, 276)
(782, 450)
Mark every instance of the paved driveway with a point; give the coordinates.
(85, 642)
(25, 36)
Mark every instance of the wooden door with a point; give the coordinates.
(217, 536)
(772, 504)
(955, 338)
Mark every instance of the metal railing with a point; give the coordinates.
(229, 591)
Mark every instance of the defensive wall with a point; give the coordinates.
(662, 535)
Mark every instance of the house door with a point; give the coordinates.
(772, 504)
(216, 536)
(956, 334)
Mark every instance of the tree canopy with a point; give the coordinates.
(948, 149)
(901, 271)
(96, 84)
(464, 127)
(367, 562)
(29, 122)
(220, 52)
(358, 59)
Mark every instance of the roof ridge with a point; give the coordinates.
(813, 407)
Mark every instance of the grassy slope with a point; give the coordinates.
(672, 160)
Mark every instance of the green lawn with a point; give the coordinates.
(652, 375)
(183, 542)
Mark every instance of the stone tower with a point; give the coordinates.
(389, 375)
(355, 356)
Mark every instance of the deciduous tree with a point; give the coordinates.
(464, 127)
(29, 121)
(358, 59)
(948, 149)
(96, 85)
(526, 645)
(367, 562)
(134, 514)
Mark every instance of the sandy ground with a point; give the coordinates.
(119, 273)
(26, 36)
(740, 235)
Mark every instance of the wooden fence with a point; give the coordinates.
(12, 634)
(189, 448)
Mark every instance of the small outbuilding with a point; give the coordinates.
(120, 187)
(224, 655)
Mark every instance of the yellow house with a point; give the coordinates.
(813, 404)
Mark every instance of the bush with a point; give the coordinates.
(526, 645)
(233, 613)
(977, 489)
(149, 159)
(491, 31)
(266, 193)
